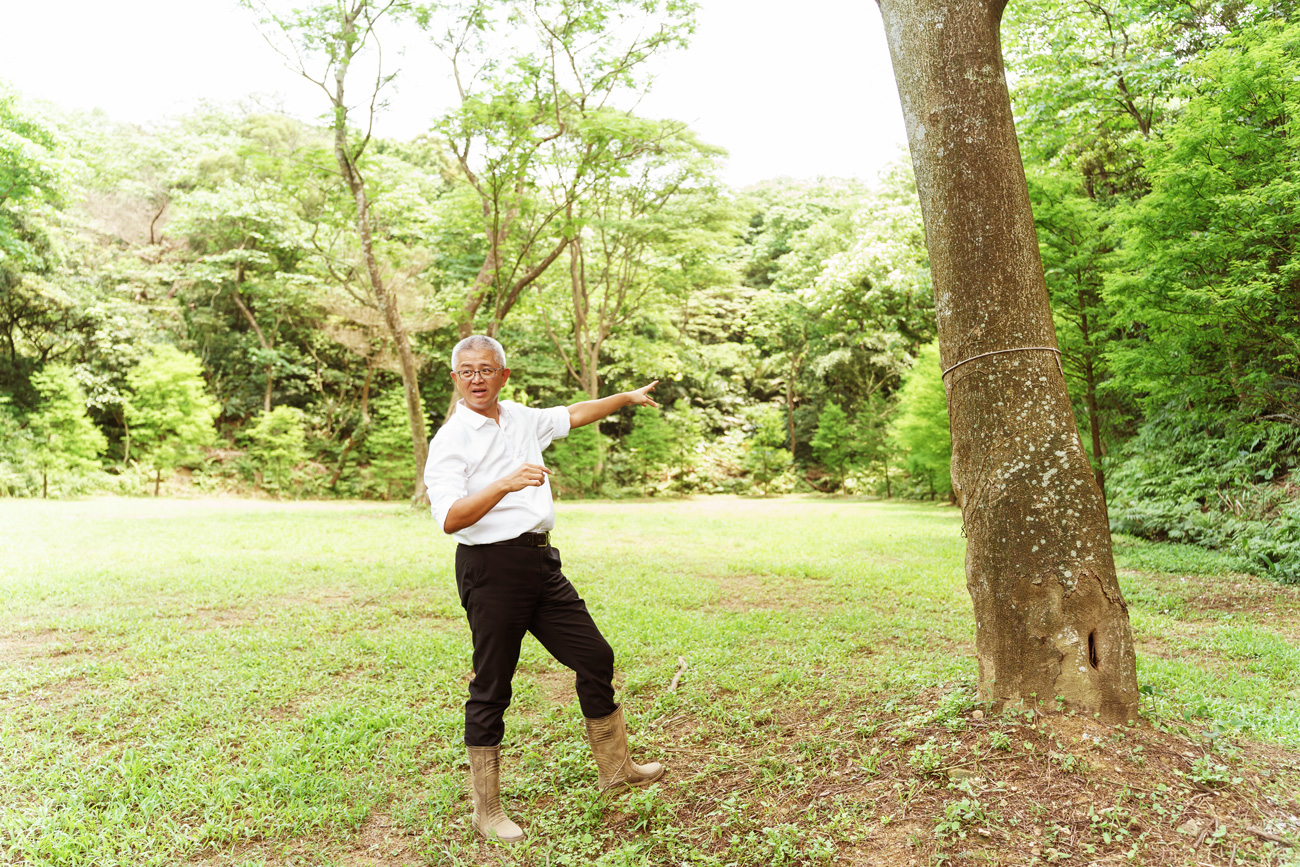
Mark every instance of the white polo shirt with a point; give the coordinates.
(471, 451)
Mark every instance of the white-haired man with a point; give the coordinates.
(488, 488)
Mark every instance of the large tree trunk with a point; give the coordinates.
(1050, 619)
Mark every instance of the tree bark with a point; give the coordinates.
(796, 365)
(1090, 395)
(346, 158)
(257, 330)
(401, 339)
(361, 431)
(1051, 621)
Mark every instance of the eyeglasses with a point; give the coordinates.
(486, 373)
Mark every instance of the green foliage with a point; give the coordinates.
(920, 430)
(1078, 246)
(766, 457)
(28, 174)
(1000, 740)
(688, 440)
(1159, 140)
(247, 248)
(845, 299)
(1210, 298)
(874, 294)
(277, 444)
(1092, 81)
(651, 234)
(169, 413)
(1212, 773)
(959, 816)
(1160, 159)
(388, 445)
(1214, 265)
(578, 460)
(15, 452)
(1215, 482)
(546, 146)
(650, 448)
(50, 312)
(810, 219)
(927, 758)
(835, 444)
(64, 441)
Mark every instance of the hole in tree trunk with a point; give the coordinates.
(1092, 649)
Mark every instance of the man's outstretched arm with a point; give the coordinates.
(594, 410)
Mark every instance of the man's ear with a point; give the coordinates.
(505, 374)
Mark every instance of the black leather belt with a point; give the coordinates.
(531, 540)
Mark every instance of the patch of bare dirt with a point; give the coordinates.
(381, 842)
(742, 592)
(904, 782)
(1220, 594)
(1205, 601)
(40, 645)
(555, 684)
(402, 604)
(1031, 789)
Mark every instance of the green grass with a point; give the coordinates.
(248, 683)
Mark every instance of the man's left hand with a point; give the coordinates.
(641, 397)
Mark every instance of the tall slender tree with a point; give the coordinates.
(169, 412)
(64, 438)
(324, 43)
(1050, 618)
(650, 235)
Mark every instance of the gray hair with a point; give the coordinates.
(479, 343)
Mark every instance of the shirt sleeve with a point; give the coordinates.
(445, 474)
(552, 424)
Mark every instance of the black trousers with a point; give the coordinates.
(508, 590)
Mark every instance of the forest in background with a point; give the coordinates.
(267, 304)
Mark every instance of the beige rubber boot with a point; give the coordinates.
(608, 739)
(485, 791)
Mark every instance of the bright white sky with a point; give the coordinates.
(790, 89)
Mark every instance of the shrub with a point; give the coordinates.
(64, 441)
(766, 457)
(650, 448)
(1212, 480)
(277, 446)
(389, 446)
(168, 413)
(920, 431)
(578, 460)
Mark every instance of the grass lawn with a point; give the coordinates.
(233, 682)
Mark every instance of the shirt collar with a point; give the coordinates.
(477, 420)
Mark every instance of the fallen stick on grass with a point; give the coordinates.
(1272, 838)
(681, 669)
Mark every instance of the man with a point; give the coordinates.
(488, 489)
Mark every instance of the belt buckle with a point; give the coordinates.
(541, 539)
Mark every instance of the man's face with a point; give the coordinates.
(480, 392)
